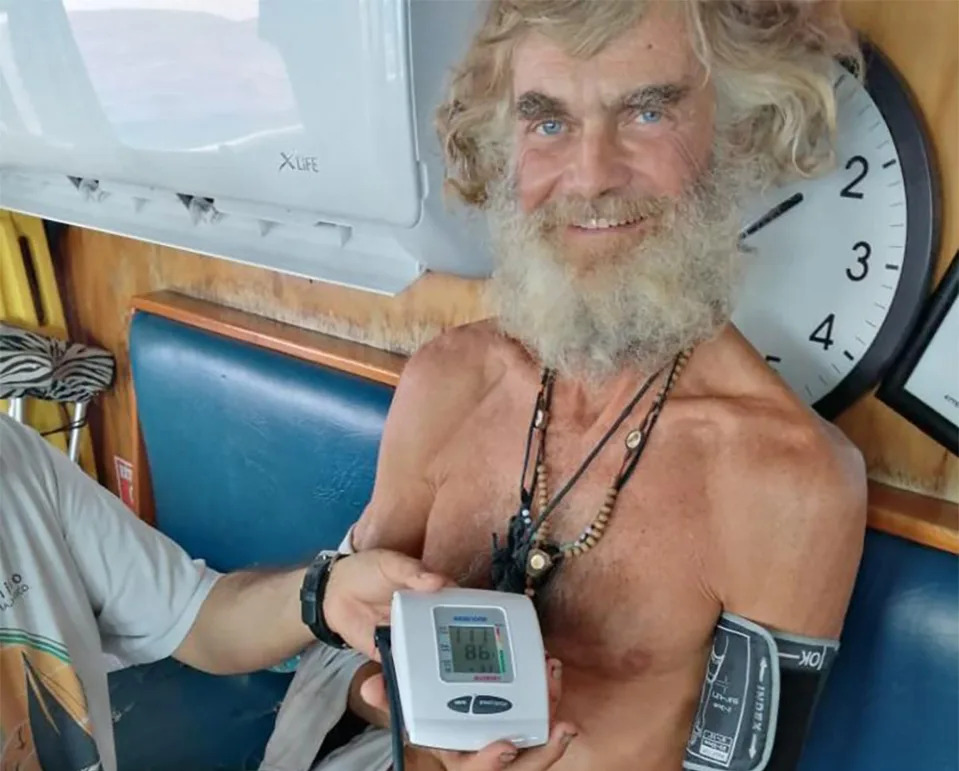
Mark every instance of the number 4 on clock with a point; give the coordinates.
(823, 333)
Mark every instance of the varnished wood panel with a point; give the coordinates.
(101, 273)
(926, 520)
(921, 37)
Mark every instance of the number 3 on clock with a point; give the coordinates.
(862, 261)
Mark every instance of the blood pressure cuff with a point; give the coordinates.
(758, 696)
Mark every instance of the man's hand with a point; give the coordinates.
(495, 756)
(361, 587)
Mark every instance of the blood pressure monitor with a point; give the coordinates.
(467, 668)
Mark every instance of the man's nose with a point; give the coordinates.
(598, 166)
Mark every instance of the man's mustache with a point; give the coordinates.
(612, 208)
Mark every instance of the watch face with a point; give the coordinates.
(839, 264)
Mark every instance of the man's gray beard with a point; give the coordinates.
(672, 291)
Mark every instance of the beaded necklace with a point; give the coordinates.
(528, 558)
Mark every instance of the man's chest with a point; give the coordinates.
(633, 601)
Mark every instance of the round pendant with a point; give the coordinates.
(537, 563)
(633, 438)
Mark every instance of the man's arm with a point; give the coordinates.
(792, 537)
(249, 621)
(790, 557)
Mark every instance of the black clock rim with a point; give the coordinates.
(910, 136)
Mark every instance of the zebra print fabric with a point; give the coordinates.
(80, 372)
(26, 368)
(43, 367)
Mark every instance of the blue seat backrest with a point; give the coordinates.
(892, 700)
(256, 458)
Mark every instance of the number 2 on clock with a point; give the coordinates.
(848, 191)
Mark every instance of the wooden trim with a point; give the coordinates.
(929, 521)
(919, 518)
(345, 355)
(142, 482)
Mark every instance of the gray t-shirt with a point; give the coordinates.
(84, 586)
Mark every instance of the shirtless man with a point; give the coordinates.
(610, 144)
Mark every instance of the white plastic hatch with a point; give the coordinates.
(276, 132)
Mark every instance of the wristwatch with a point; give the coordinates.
(311, 598)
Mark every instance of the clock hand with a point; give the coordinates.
(774, 213)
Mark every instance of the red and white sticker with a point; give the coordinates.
(124, 471)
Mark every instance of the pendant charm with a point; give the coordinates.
(538, 562)
(540, 420)
(542, 560)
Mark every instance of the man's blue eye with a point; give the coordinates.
(550, 127)
(649, 116)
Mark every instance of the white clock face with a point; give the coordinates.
(822, 276)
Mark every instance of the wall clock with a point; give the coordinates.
(840, 265)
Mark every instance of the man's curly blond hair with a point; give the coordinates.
(772, 63)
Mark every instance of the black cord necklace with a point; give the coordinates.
(528, 558)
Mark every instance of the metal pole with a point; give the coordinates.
(79, 412)
(15, 409)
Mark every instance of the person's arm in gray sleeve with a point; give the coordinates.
(152, 600)
(252, 620)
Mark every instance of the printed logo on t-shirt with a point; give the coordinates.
(44, 722)
(12, 588)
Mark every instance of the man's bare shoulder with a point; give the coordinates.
(461, 362)
(777, 423)
(792, 452)
(444, 382)
(776, 446)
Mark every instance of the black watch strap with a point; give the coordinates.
(311, 598)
